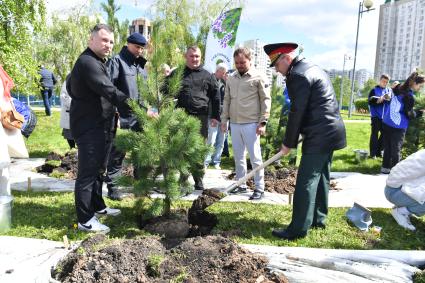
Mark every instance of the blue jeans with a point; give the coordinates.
(46, 94)
(400, 199)
(215, 137)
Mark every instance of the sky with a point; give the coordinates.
(325, 28)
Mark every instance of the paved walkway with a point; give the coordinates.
(355, 187)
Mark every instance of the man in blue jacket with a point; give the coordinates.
(376, 98)
(126, 69)
(47, 82)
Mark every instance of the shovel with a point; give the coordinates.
(272, 159)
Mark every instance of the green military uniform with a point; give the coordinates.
(314, 114)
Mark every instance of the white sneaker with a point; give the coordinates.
(217, 166)
(108, 211)
(401, 215)
(93, 225)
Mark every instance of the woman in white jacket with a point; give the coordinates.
(406, 189)
(64, 120)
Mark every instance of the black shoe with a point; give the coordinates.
(318, 226)
(198, 188)
(116, 195)
(257, 195)
(238, 190)
(284, 234)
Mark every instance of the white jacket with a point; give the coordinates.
(409, 174)
(65, 106)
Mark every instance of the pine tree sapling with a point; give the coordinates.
(171, 144)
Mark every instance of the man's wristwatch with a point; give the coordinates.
(263, 123)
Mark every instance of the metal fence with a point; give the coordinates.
(35, 100)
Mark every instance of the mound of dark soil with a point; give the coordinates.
(202, 221)
(67, 165)
(200, 259)
(281, 181)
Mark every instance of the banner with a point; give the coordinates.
(221, 40)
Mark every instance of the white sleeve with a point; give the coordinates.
(406, 170)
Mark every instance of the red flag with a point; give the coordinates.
(7, 83)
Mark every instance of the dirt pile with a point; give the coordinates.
(63, 166)
(202, 221)
(200, 259)
(66, 166)
(281, 181)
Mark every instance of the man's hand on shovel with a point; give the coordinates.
(285, 150)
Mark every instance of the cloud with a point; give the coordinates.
(329, 25)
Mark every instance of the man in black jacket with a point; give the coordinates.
(91, 120)
(315, 116)
(126, 69)
(199, 88)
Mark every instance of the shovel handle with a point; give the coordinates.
(272, 159)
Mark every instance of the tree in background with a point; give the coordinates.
(170, 145)
(194, 18)
(19, 20)
(120, 29)
(275, 131)
(368, 86)
(336, 83)
(59, 45)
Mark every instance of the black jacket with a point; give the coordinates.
(314, 110)
(199, 87)
(125, 71)
(47, 78)
(93, 95)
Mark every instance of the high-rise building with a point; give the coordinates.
(401, 38)
(360, 77)
(141, 25)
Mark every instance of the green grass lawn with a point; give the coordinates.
(52, 215)
(47, 136)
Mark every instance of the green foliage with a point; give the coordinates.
(54, 163)
(120, 29)
(169, 145)
(192, 21)
(153, 265)
(275, 129)
(362, 105)
(183, 275)
(60, 44)
(368, 86)
(415, 134)
(336, 83)
(19, 20)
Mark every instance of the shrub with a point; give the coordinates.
(362, 105)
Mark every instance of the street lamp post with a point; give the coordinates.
(346, 57)
(368, 5)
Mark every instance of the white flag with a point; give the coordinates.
(221, 40)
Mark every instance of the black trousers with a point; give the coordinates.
(393, 142)
(114, 168)
(198, 174)
(93, 151)
(376, 137)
